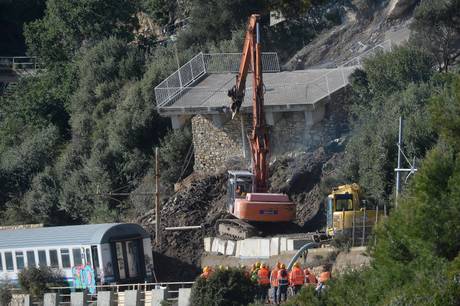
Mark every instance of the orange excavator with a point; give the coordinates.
(248, 199)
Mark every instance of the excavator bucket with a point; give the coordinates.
(237, 100)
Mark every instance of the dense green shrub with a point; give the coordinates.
(35, 281)
(223, 288)
(5, 295)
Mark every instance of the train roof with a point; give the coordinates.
(69, 235)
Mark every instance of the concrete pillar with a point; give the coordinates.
(184, 296)
(105, 298)
(27, 300)
(271, 118)
(78, 299)
(51, 299)
(158, 295)
(132, 298)
(218, 120)
(178, 121)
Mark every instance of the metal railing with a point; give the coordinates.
(181, 81)
(118, 290)
(171, 88)
(19, 63)
(230, 62)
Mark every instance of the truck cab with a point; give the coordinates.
(348, 214)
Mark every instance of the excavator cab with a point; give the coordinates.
(239, 184)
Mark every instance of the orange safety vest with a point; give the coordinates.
(297, 277)
(205, 275)
(263, 276)
(324, 276)
(310, 278)
(274, 277)
(283, 280)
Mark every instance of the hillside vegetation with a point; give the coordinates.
(86, 125)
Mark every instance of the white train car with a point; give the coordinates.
(114, 252)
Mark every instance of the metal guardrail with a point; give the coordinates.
(19, 63)
(201, 64)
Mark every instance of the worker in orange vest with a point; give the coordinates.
(274, 281)
(296, 278)
(206, 272)
(324, 277)
(310, 277)
(263, 279)
(283, 283)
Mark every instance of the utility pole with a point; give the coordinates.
(398, 170)
(157, 199)
(398, 173)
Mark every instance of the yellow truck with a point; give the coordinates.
(349, 215)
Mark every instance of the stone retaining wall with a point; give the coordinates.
(218, 140)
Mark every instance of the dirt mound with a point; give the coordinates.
(201, 203)
(204, 202)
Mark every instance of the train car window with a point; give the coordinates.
(42, 258)
(9, 261)
(1, 262)
(20, 260)
(88, 256)
(31, 259)
(95, 257)
(65, 258)
(54, 259)
(76, 257)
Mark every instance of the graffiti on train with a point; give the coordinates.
(84, 278)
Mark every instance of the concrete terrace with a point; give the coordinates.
(200, 87)
(286, 90)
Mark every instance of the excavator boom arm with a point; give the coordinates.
(259, 135)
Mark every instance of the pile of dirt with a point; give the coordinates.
(203, 202)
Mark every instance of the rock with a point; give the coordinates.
(398, 8)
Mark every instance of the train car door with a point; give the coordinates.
(129, 259)
(121, 262)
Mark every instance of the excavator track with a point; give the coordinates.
(235, 229)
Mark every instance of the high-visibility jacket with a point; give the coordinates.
(254, 274)
(274, 277)
(263, 276)
(310, 278)
(297, 277)
(283, 277)
(205, 275)
(324, 276)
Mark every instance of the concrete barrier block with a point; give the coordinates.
(132, 298)
(78, 299)
(215, 245)
(221, 245)
(51, 299)
(275, 246)
(255, 248)
(105, 298)
(158, 296)
(184, 296)
(238, 248)
(207, 244)
(230, 250)
(283, 244)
